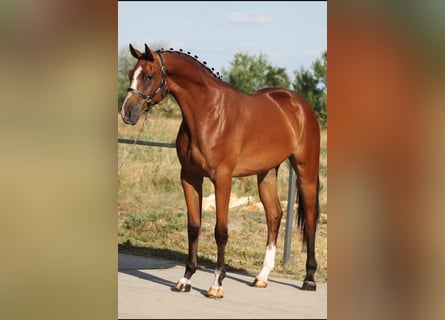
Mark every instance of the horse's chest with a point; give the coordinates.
(199, 155)
(194, 160)
(191, 156)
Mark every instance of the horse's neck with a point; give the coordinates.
(194, 88)
(194, 103)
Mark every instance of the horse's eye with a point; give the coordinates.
(147, 77)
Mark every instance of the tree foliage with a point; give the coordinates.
(249, 73)
(125, 63)
(312, 84)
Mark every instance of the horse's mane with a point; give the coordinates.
(195, 58)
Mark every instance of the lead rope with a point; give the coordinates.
(134, 143)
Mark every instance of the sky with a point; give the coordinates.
(292, 34)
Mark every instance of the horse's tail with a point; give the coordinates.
(300, 209)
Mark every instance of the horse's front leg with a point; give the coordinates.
(192, 186)
(223, 186)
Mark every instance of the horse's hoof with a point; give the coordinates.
(309, 286)
(259, 283)
(215, 292)
(183, 287)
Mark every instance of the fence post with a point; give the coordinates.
(289, 214)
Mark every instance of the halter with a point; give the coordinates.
(162, 86)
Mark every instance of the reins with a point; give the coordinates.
(134, 143)
(163, 88)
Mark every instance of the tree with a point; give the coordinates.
(312, 84)
(125, 63)
(249, 73)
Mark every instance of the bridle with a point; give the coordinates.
(162, 86)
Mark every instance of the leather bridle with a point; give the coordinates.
(162, 86)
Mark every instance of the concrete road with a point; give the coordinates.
(145, 292)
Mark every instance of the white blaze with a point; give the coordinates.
(133, 84)
(134, 79)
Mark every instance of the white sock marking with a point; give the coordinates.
(184, 280)
(269, 262)
(215, 282)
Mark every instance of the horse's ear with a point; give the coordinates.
(148, 53)
(135, 52)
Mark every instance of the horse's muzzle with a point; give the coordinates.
(130, 113)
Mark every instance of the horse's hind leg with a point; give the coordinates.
(308, 211)
(267, 187)
(192, 186)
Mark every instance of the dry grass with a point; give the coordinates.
(152, 213)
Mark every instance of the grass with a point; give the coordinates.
(152, 217)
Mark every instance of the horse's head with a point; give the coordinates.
(148, 84)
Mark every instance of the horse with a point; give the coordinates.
(226, 134)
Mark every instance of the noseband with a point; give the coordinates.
(162, 86)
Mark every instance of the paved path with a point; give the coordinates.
(145, 292)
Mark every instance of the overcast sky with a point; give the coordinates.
(291, 33)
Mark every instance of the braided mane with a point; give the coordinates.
(188, 54)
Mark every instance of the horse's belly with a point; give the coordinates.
(254, 163)
(241, 158)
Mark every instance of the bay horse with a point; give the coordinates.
(225, 134)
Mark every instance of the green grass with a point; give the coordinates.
(152, 214)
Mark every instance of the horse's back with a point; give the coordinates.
(283, 107)
(285, 99)
(271, 125)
